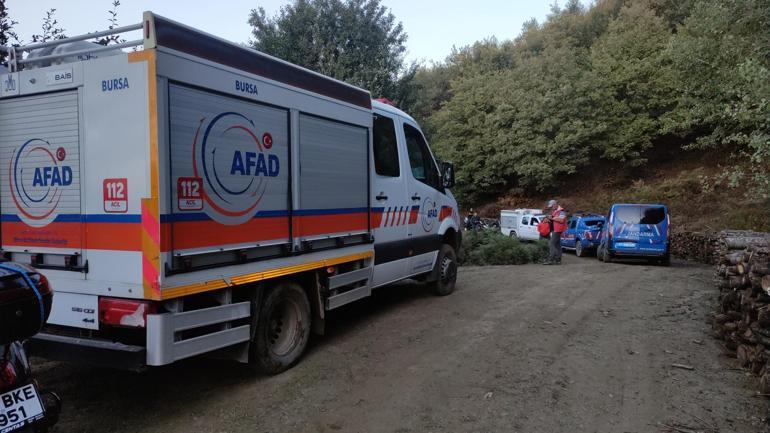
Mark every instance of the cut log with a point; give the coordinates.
(733, 258)
(744, 354)
(764, 384)
(740, 268)
(730, 301)
(763, 317)
(737, 282)
(765, 283)
(761, 267)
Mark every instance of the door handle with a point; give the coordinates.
(381, 196)
(416, 197)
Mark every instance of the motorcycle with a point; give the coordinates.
(25, 303)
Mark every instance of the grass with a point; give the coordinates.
(490, 247)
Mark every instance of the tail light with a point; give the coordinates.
(125, 313)
(8, 376)
(42, 283)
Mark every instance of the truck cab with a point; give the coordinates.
(414, 211)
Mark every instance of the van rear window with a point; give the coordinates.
(640, 214)
(653, 215)
(593, 223)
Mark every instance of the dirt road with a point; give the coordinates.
(587, 347)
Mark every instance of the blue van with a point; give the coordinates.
(582, 234)
(636, 231)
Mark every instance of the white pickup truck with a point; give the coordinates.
(186, 195)
(521, 223)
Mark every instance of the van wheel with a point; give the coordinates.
(606, 256)
(513, 234)
(666, 260)
(447, 271)
(579, 249)
(283, 329)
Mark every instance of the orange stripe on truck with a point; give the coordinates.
(74, 235)
(311, 225)
(150, 210)
(182, 235)
(150, 249)
(191, 289)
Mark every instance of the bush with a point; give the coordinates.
(490, 247)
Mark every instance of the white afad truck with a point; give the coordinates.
(186, 195)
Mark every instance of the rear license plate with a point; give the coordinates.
(625, 245)
(19, 407)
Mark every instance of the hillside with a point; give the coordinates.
(648, 100)
(697, 189)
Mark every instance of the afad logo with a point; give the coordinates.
(235, 163)
(429, 214)
(37, 177)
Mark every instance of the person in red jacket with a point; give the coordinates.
(558, 219)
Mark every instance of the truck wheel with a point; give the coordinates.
(579, 249)
(447, 271)
(283, 329)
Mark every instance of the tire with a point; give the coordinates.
(446, 268)
(579, 251)
(283, 329)
(513, 234)
(606, 258)
(666, 260)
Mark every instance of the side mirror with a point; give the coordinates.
(448, 174)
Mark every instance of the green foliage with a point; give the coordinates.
(490, 247)
(356, 41)
(607, 84)
(7, 34)
(50, 29)
(113, 20)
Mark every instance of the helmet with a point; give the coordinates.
(25, 302)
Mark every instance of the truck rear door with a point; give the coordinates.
(40, 192)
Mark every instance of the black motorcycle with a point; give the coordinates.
(25, 303)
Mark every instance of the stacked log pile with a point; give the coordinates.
(743, 318)
(697, 246)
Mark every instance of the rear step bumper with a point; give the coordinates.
(98, 353)
(165, 340)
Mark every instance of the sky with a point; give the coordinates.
(433, 26)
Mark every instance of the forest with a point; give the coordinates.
(609, 87)
(614, 87)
